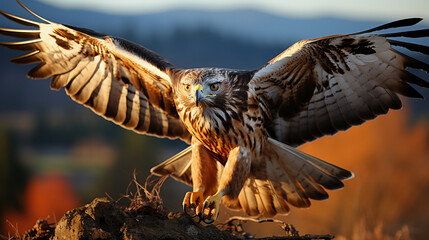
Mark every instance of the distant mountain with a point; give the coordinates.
(249, 24)
(244, 39)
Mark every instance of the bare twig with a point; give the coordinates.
(14, 227)
(291, 232)
(3, 237)
(147, 194)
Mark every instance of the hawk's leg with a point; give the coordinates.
(235, 173)
(204, 177)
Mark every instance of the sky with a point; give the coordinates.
(361, 9)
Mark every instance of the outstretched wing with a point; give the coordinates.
(117, 79)
(320, 86)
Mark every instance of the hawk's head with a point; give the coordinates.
(202, 88)
(210, 97)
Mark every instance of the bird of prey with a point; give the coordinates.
(242, 125)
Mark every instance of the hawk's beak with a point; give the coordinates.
(198, 94)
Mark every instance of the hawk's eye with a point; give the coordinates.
(187, 87)
(214, 86)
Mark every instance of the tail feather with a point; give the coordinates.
(295, 195)
(265, 197)
(313, 190)
(331, 169)
(247, 199)
(279, 198)
(291, 177)
(302, 167)
(178, 166)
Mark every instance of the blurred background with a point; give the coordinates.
(56, 155)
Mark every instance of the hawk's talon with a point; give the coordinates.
(187, 212)
(205, 206)
(209, 221)
(185, 209)
(193, 201)
(211, 203)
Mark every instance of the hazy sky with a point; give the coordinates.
(358, 9)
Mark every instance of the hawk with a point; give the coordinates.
(242, 125)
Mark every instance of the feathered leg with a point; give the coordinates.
(234, 175)
(204, 177)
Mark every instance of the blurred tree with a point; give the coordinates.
(135, 151)
(13, 176)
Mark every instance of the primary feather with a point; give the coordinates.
(321, 86)
(117, 79)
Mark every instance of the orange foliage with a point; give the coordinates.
(390, 161)
(45, 196)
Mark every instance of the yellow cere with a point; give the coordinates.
(198, 87)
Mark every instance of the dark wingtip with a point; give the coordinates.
(348, 175)
(395, 24)
(406, 90)
(409, 34)
(409, 21)
(411, 46)
(318, 195)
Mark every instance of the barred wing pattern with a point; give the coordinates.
(117, 79)
(324, 85)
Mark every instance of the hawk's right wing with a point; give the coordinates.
(117, 79)
(321, 86)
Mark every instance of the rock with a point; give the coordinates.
(100, 219)
(42, 230)
(103, 219)
(145, 218)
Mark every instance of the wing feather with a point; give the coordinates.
(395, 24)
(28, 58)
(20, 33)
(119, 80)
(411, 46)
(19, 20)
(320, 86)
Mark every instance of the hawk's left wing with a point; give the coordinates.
(119, 80)
(320, 86)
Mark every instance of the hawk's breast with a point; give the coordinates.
(222, 129)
